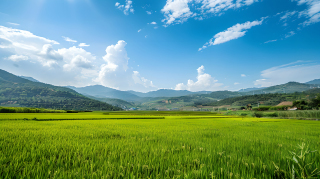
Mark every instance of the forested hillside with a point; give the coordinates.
(17, 91)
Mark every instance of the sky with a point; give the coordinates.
(146, 45)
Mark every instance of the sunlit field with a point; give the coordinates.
(154, 145)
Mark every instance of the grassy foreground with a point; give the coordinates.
(153, 145)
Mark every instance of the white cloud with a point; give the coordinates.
(243, 75)
(12, 23)
(69, 66)
(24, 43)
(83, 45)
(287, 15)
(236, 83)
(269, 41)
(312, 12)
(291, 33)
(178, 11)
(127, 8)
(116, 74)
(139, 30)
(204, 82)
(234, 32)
(141, 80)
(76, 57)
(17, 58)
(49, 53)
(148, 12)
(69, 39)
(153, 23)
(78, 61)
(299, 71)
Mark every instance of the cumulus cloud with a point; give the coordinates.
(298, 71)
(153, 23)
(83, 45)
(24, 43)
(69, 39)
(76, 57)
(234, 32)
(148, 12)
(78, 61)
(204, 82)
(236, 83)
(243, 75)
(116, 74)
(69, 66)
(127, 8)
(178, 11)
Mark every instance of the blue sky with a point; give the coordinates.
(146, 45)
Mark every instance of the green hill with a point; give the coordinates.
(314, 82)
(19, 92)
(289, 87)
(99, 91)
(270, 99)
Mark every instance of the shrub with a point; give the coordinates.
(272, 114)
(243, 114)
(258, 114)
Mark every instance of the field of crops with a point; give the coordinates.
(155, 145)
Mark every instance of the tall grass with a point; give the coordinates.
(174, 147)
(300, 114)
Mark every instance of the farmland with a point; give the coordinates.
(152, 145)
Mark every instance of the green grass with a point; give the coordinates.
(28, 110)
(175, 146)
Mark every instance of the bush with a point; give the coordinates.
(279, 108)
(258, 114)
(243, 114)
(272, 114)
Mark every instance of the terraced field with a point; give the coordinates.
(154, 145)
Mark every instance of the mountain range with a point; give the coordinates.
(100, 91)
(21, 92)
(26, 91)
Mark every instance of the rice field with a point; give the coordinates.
(155, 145)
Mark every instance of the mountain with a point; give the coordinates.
(167, 93)
(251, 89)
(314, 82)
(100, 91)
(290, 87)
(115, 102)
(270, 99)
(224, 94)
(17, 91)
(29, 78)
